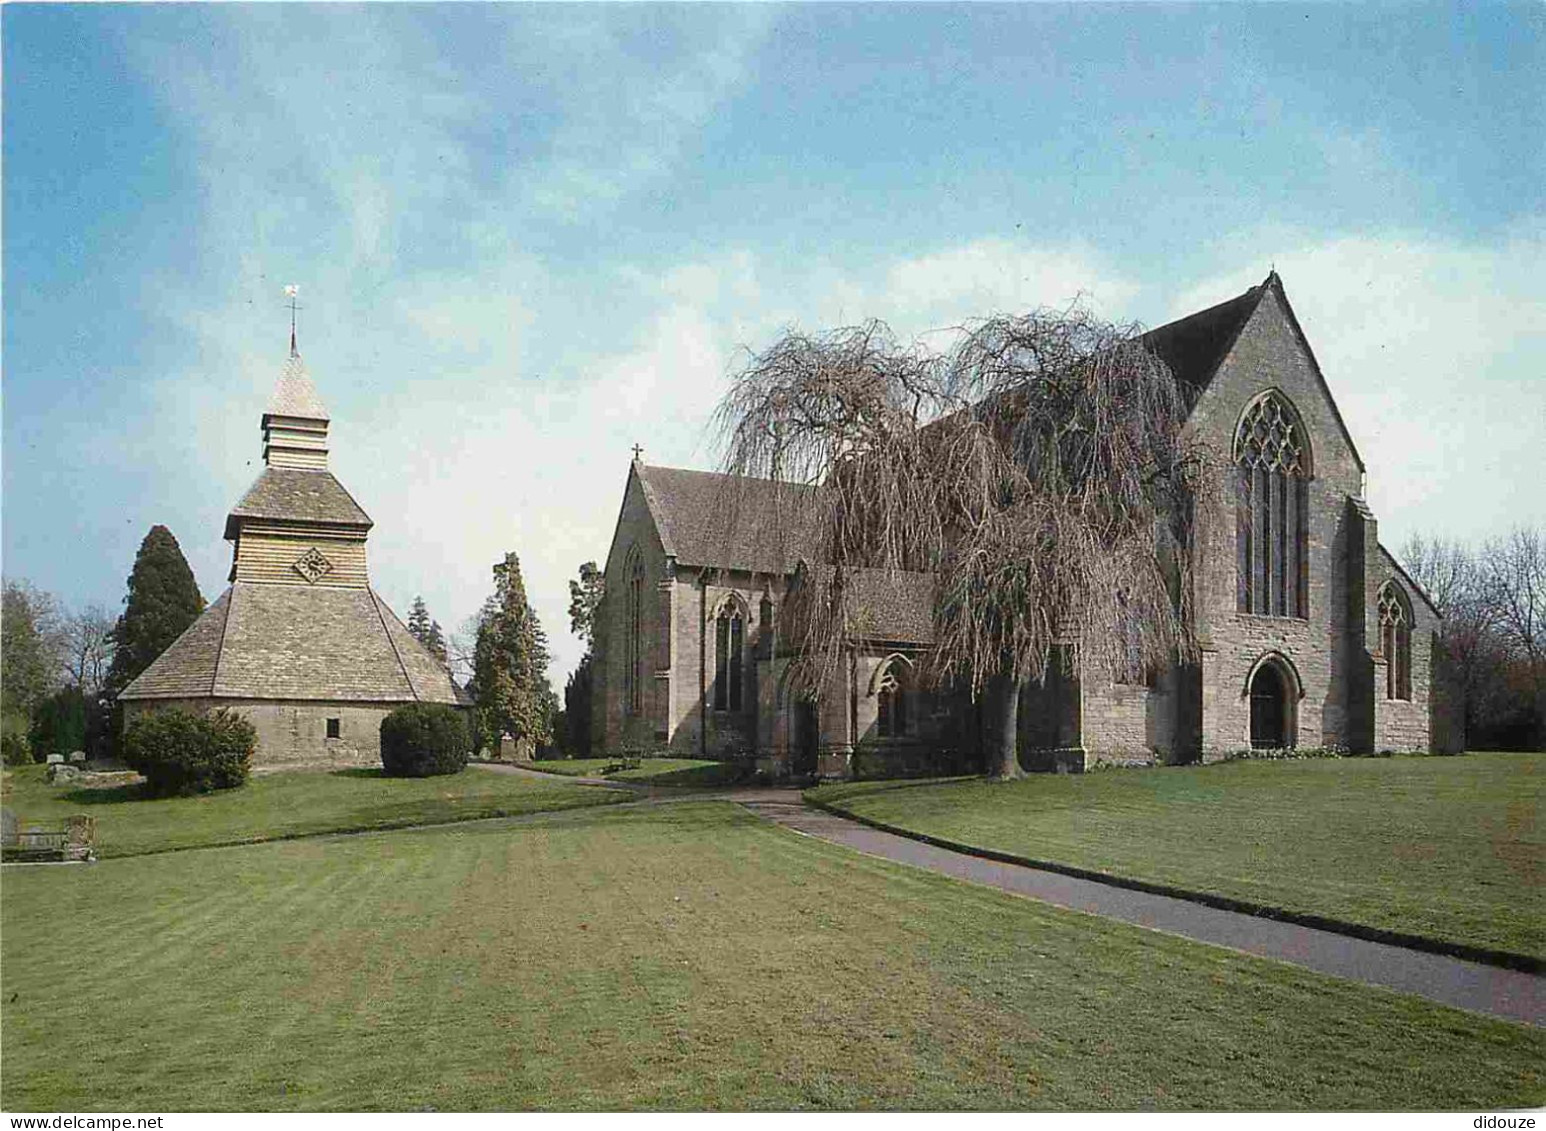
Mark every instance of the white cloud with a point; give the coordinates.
(1433, 351)
(484, 400)
(947, 287)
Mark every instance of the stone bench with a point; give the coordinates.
(73, 839)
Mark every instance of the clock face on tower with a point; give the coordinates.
(313, 566)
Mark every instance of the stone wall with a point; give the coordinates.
(1269, 354)
(616, 725)
(697, 729)
(677, 613)
(294, 734)
(1402, 725)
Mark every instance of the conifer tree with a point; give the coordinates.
(418, 621)
(510, 661)
(435, 641)
(163, 600)
(577, 707)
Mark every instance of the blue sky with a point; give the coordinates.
(528, 237)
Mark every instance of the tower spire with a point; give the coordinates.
(295, 425)
(292, 292)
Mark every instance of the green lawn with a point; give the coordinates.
(1449, 848)
(680, 956)
(654, 771)
(283, 805)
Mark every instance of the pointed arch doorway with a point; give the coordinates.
(804, 737)
(1271, 709)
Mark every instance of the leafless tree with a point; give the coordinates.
(88, 647)
(1038, 472)
(1494, 606)
(1445, 569)
(1450, 573)
(1514, 580)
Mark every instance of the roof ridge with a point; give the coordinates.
(396, 651)
(652, 505)
(225, 623)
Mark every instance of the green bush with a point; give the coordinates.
(180, 752)
(14, 748)
(422, 740)
(59, 723)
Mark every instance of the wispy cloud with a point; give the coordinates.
(1432, 349)
(432, 197)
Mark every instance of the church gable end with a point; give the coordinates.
(1270, 352)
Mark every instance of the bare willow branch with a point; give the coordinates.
(1036, 485)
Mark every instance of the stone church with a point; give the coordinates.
(299, 644)
(1311, 633)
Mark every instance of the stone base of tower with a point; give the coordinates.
(295, 735)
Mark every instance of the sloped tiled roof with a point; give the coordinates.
(893, 606)
(187, 667)
(294, 394)
(1194, 346)
(725, 521)
(298, 495)
(297, 642)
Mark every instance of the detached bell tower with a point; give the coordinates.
(299, 643)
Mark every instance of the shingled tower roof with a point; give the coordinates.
(295, 424)
(294, 394)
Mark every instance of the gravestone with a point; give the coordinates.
(55, 759)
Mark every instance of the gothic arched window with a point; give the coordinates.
(1273, 455)
(729, 663)
(633, 678)
(1396, 641)
(894, 718)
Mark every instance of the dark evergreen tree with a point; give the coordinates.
(577, 708)
(510, 662)
(163, 600)
(435, 641)
(59, 723)
(418, 621)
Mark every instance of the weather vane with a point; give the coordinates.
(293, 292)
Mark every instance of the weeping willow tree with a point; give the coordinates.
(1037, 475)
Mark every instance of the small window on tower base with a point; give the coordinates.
(332, 728)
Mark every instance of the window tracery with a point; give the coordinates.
(1396, 641)
(729, 658)
(891, 690)
(1272, 453)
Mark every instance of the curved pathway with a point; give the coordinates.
(1509, 994)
